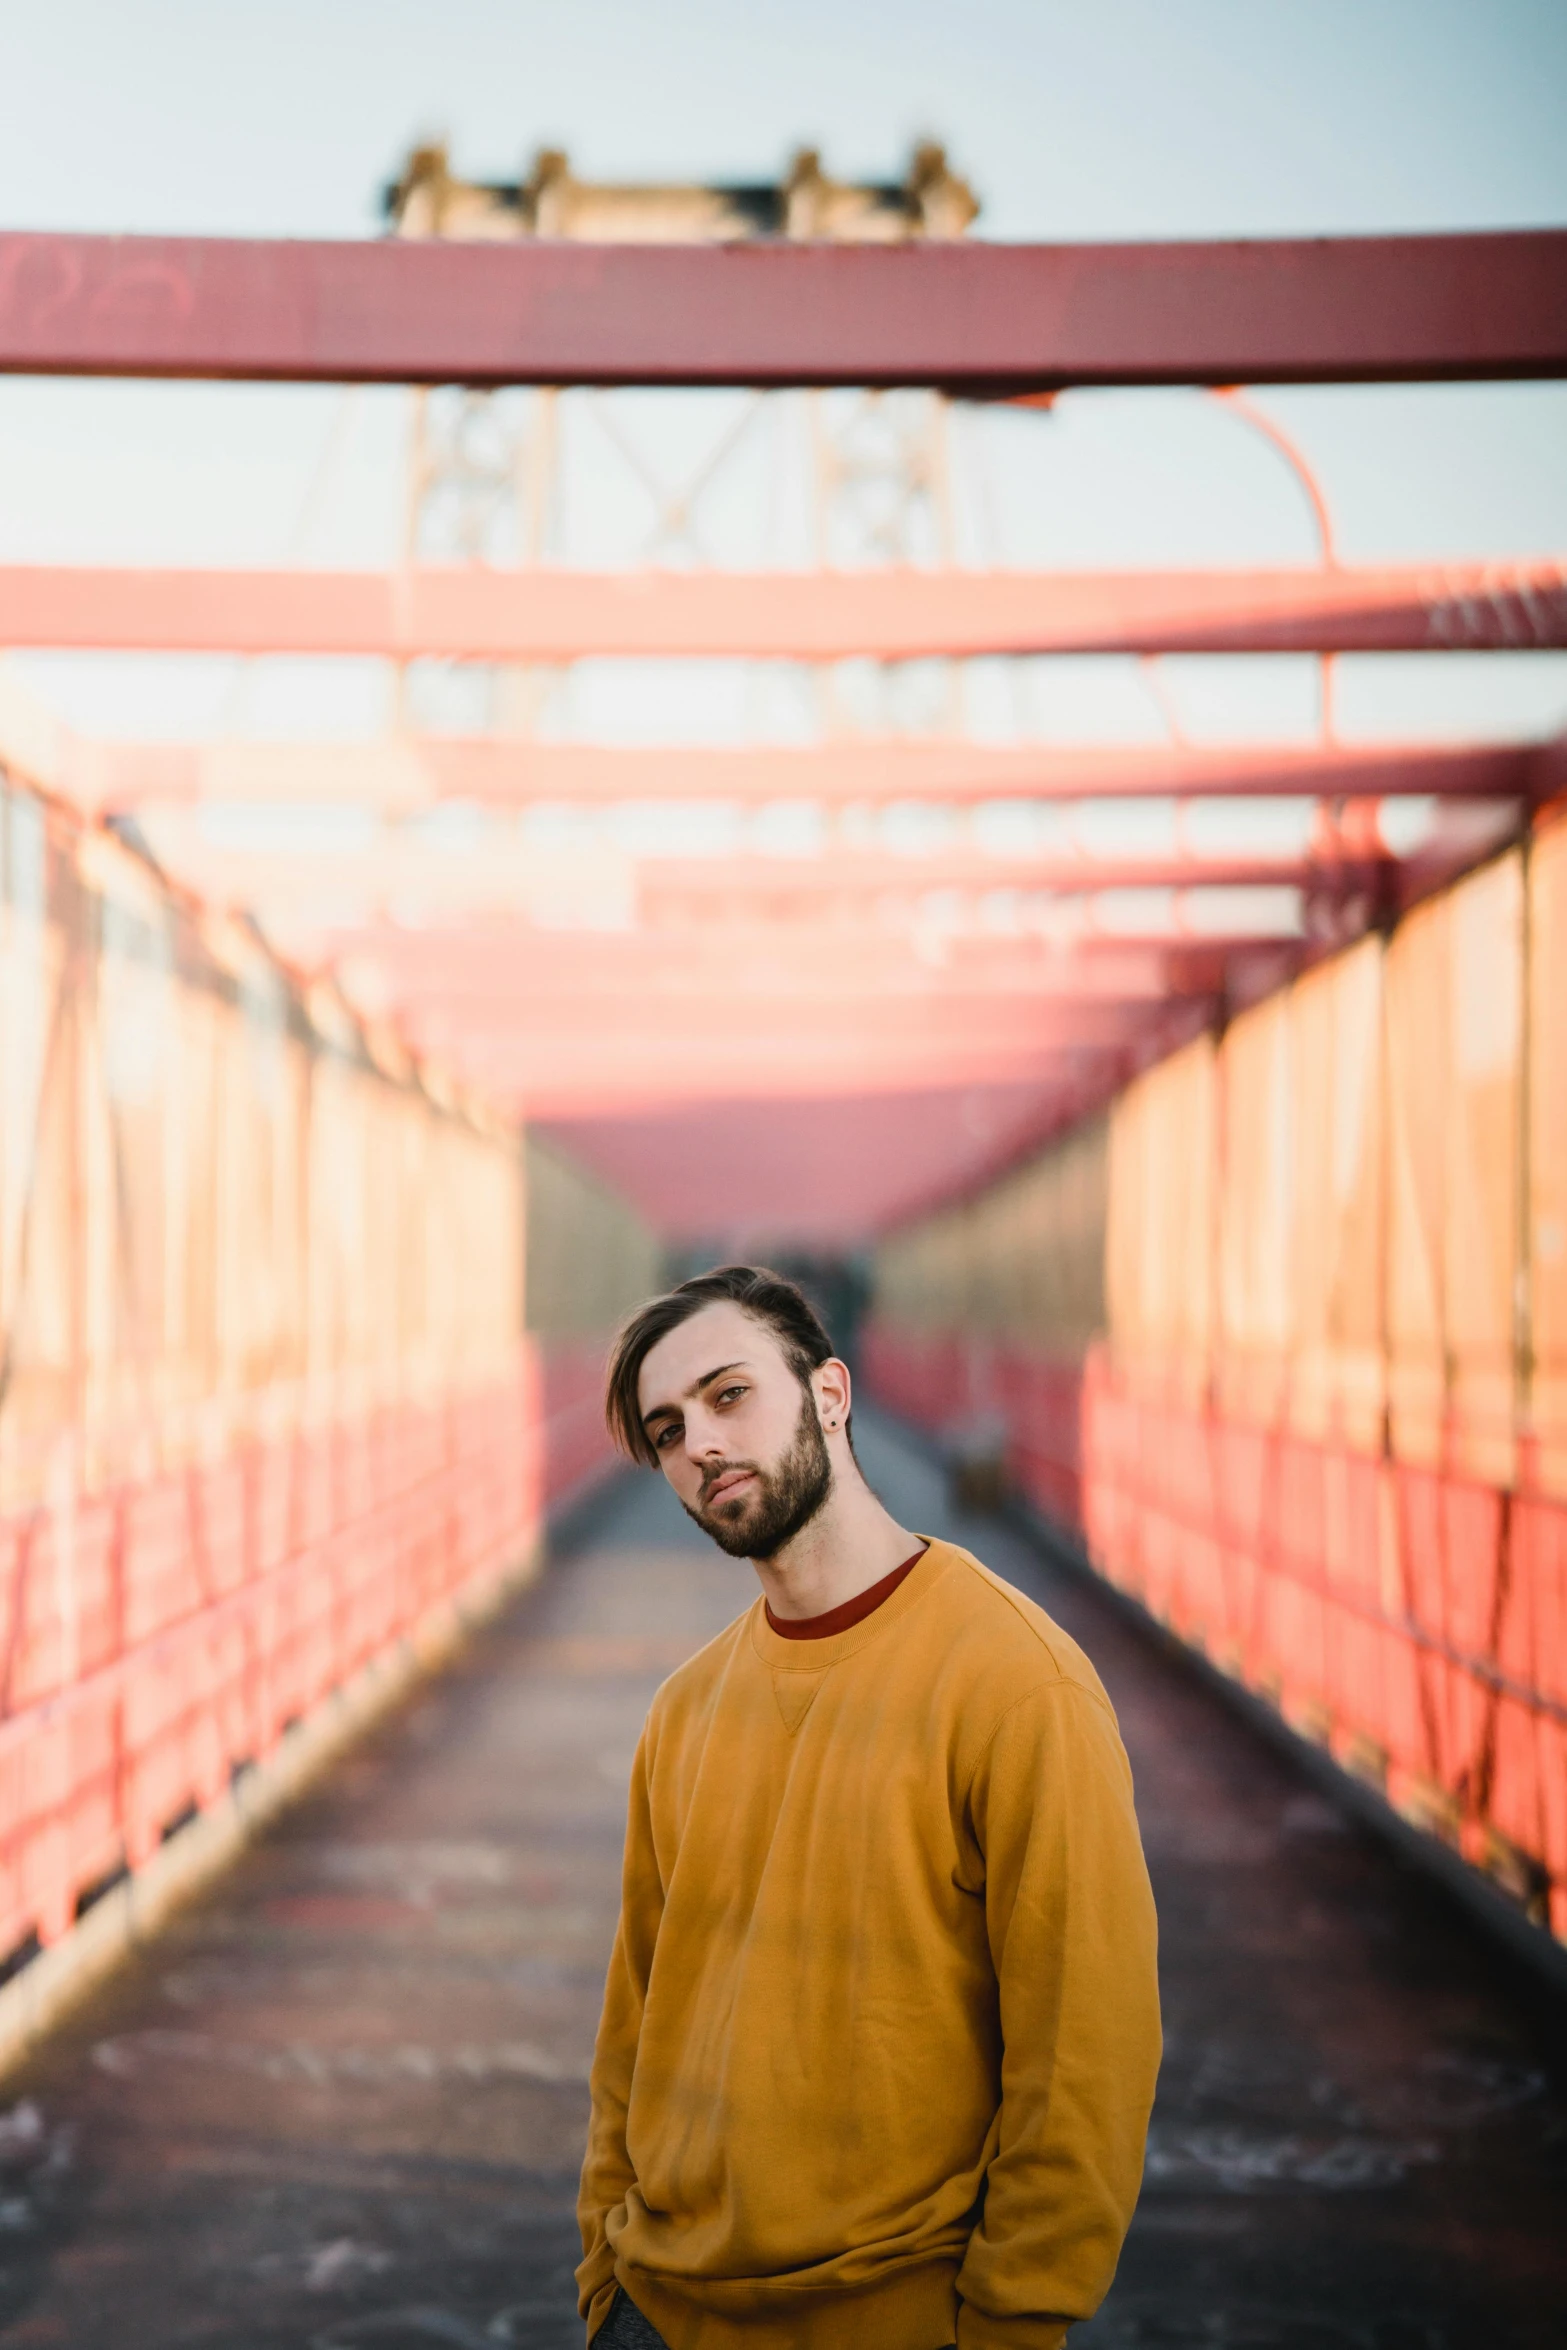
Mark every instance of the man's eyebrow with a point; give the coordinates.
(660, 1409)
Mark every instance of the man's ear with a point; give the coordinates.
(833, 1393)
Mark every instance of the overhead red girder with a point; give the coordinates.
(500, 974)
(595, 1054)
(744, 888)
(682, 1063)
(727, 1172)
(860, 888)
(531, 1009)
(1345, 858)
(679, 1054)
(987, 319)
(685, 1041)
(687, 1032)
(473, 613)
(406, 773)
(566, 1087)
(693, 1051)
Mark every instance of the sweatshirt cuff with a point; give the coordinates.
(599, 2306)
(978, 2331)
(596, 2278)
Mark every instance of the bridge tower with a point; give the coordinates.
(864, 476)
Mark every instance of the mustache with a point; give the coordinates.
(726, 1469)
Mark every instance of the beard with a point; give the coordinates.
(757, 1525)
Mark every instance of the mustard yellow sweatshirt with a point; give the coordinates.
(881, 2026)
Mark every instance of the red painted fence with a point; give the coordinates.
(158, 1637)
(1414, 1622)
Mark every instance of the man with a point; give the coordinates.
(881, 2025)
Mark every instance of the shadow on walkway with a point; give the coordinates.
(341, 2102)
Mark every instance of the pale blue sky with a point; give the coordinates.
(1127, 118)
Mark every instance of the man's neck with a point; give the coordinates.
(851, 1543)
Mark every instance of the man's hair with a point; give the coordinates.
(769, 1298)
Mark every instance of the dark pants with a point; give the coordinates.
(626, 2328)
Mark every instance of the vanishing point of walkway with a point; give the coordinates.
(340, 2105)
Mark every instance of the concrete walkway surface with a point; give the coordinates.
(340, 2104)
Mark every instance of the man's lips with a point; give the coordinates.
(729, 1483)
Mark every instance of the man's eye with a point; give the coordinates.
(664, 1437)
(725, 1394)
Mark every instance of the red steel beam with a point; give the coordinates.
(585, 1026)
(675, 1080)
(748, 884)
(555, 1085)
(477, 614)
(597, 1066)
(525, 1000)
(1084, 971)
(933, 1026)
(410, 772)
(765, 1053)
(504, 975)
(859, 884)
(985, 319)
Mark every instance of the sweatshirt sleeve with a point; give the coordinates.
(1072, 1933)
(606, 2170)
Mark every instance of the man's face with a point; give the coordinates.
(736, 1434)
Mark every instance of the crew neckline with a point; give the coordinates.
(831, 1648)
(848, 1612)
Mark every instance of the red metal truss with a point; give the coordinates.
(505, 977)
(556, 1025)
(405, 773)
(746, 887)
(585, 1060)
(687, 1033)
(744, 1169)
(590, 1068)
(478, 614)
(1346, 859)
(858, 886)
(989, 319)
(555, 1084)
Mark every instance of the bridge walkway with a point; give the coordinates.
(340, 2104)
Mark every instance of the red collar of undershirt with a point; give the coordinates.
(853, 1611)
